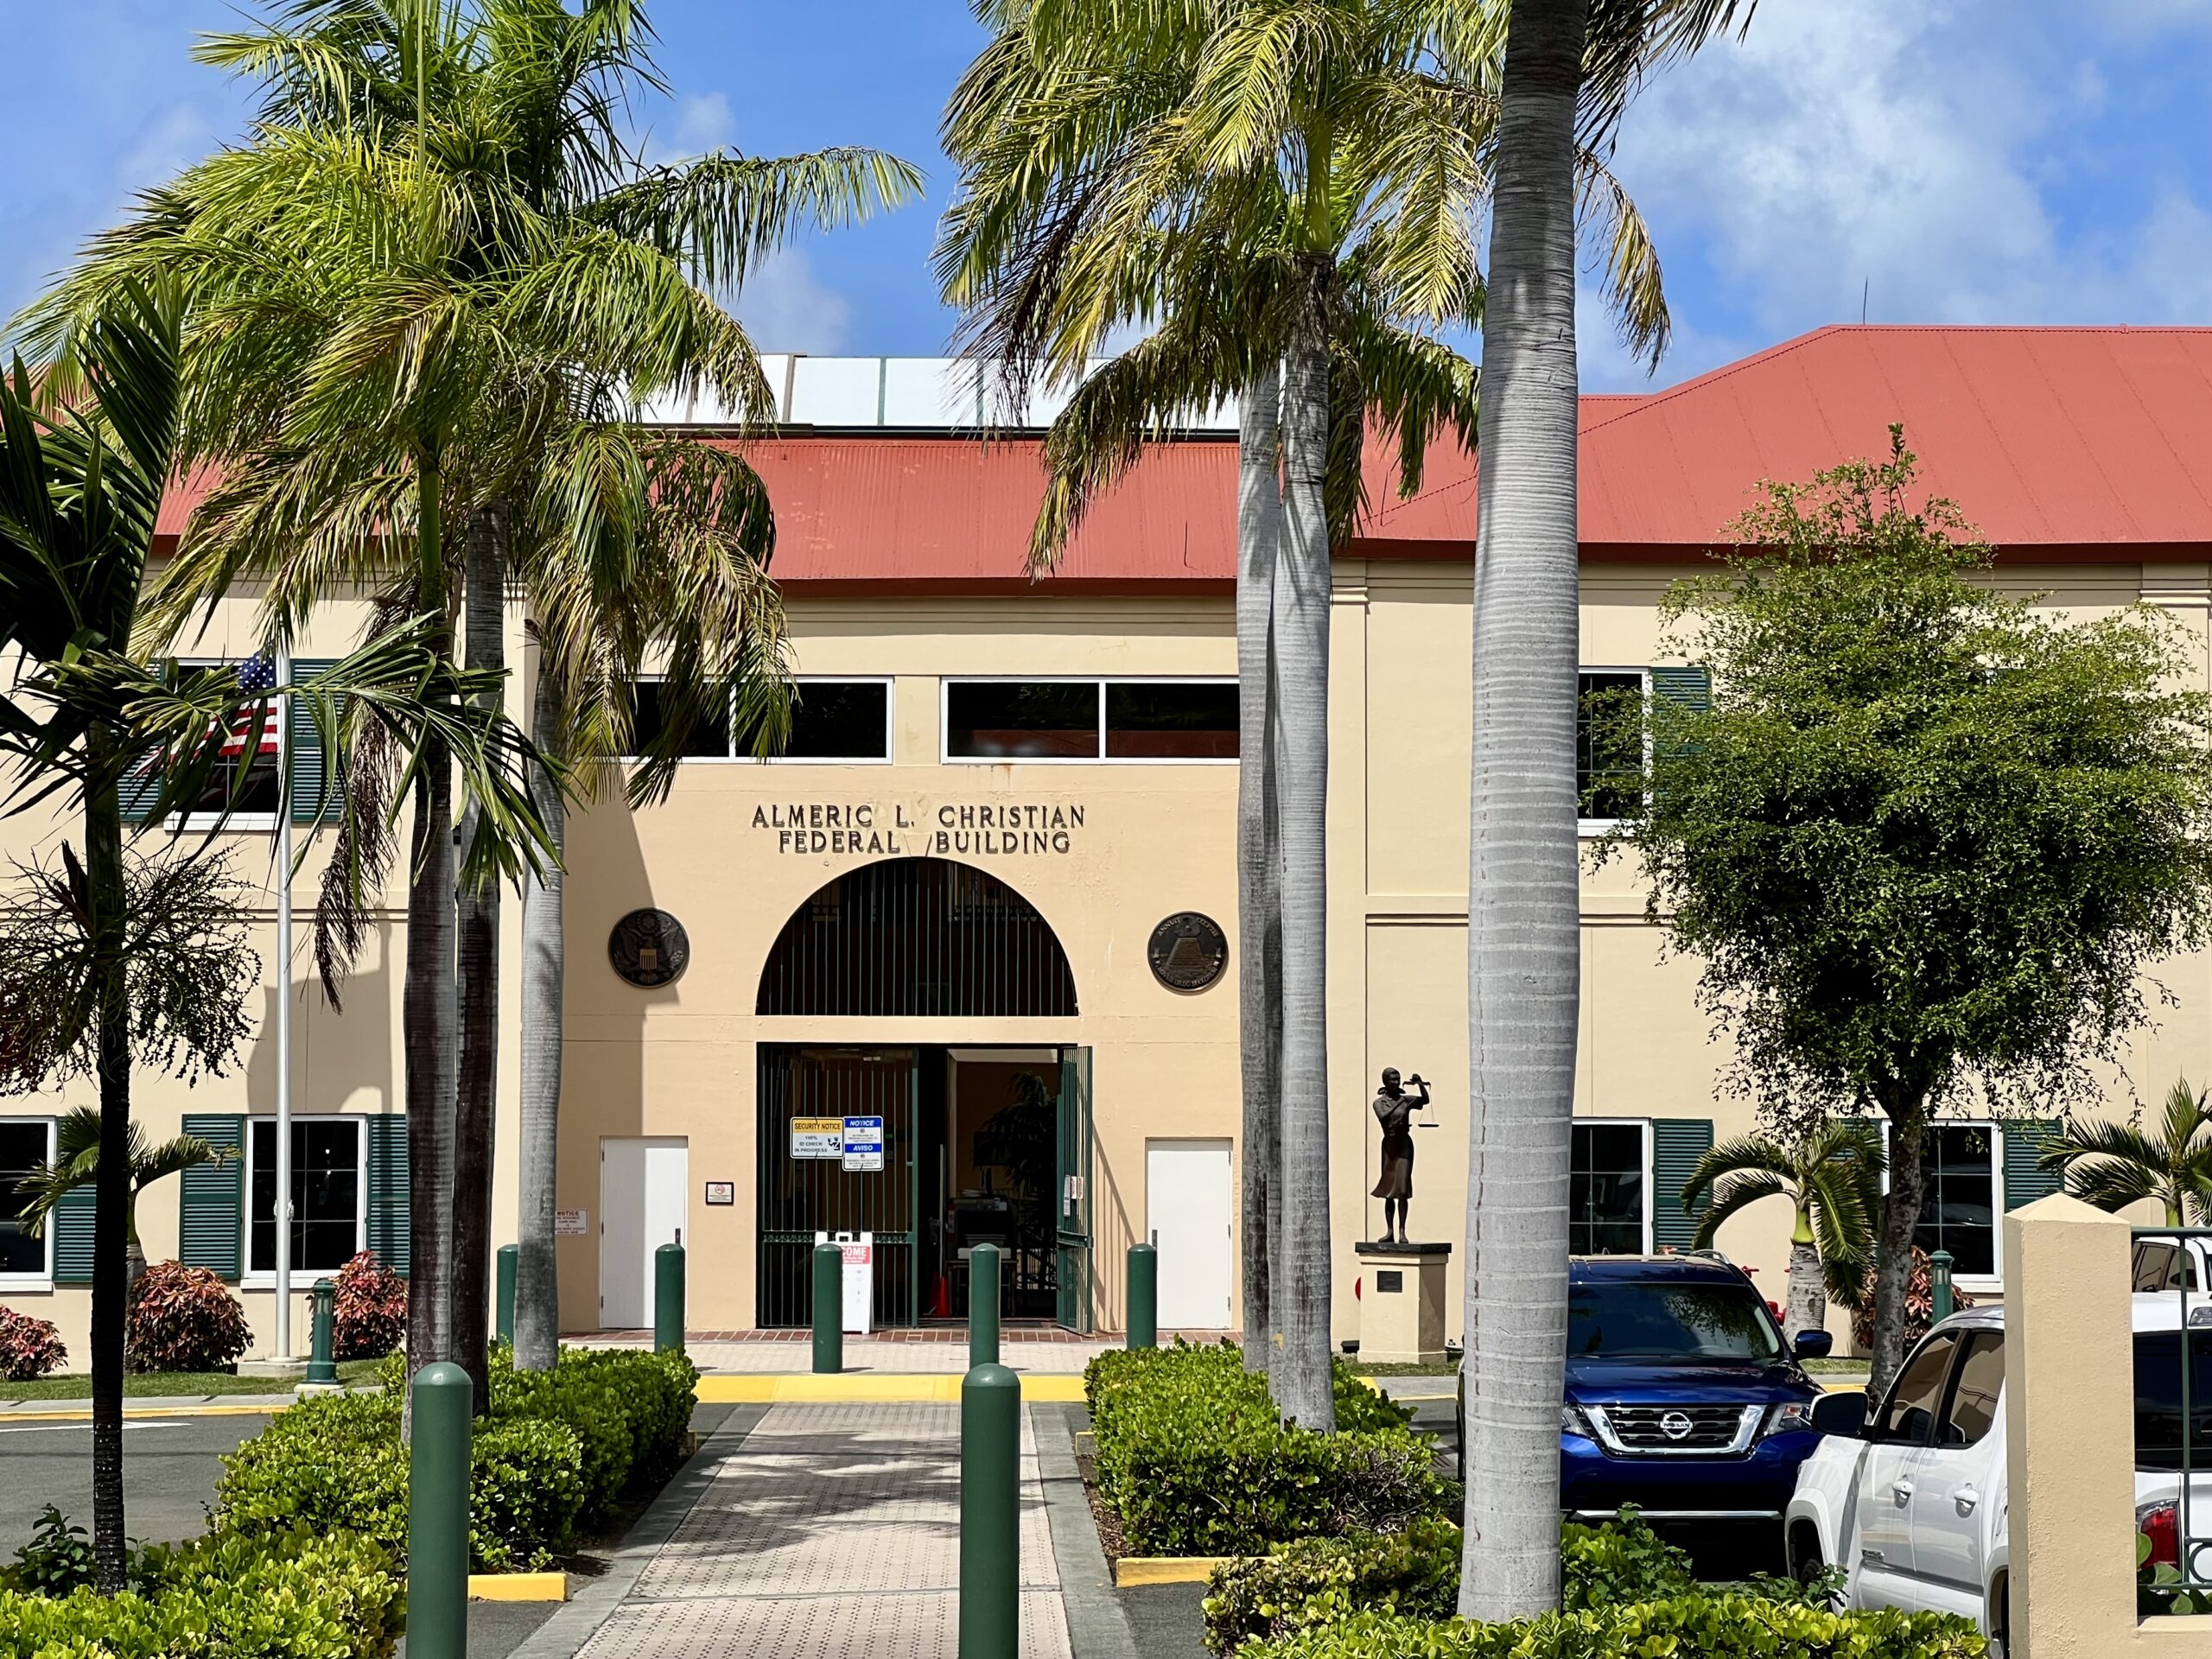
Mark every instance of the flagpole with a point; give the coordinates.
(284, 1208)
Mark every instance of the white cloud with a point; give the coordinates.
(703, 124)
(785, 308)
(1915, 153)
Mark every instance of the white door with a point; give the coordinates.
(1891, 1504)
(1956, 1481)
(643, 1185)
(1190, 1204)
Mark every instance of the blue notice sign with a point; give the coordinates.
(863, 1144)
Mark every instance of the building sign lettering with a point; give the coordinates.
(951, 828)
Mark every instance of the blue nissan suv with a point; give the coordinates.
(1681, 1396)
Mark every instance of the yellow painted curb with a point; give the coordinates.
(85, 1415)
(517, 1586)
(1165, 1569)
(887, 1387)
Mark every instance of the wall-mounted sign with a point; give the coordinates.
(1187, 951)
(649, 948)
(817, 1137)
(863, 1150)
(570, 1223)
(943, 828)
(721, 1191)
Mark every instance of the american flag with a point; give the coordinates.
(257, 674)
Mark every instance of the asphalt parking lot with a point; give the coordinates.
(171, 1465)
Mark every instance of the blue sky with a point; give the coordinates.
(1954, 160)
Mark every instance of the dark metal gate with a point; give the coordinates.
(1072, 1231)
(800, 1195)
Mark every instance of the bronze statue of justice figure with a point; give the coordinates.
(1394, 1110)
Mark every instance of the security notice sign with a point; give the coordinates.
(863, 1144)
(817, 1137)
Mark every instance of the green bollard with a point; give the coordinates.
(504, 1303)
(1144, 1296)
(1940, 1301)
(990, 1505)
(983, 1304)
(828, 1310)
(668, 1300)
(437, 1515)
(320, 1366)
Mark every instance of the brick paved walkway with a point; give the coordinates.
(833, 1530)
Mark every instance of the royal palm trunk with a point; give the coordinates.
(1807, 1306)
(537, 1294)
(111, 1185)
(1523, 895)
(477, 925)
(1300, 1378)
(427, 1013)
(1259, 850)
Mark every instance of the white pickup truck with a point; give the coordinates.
(1908, 1496)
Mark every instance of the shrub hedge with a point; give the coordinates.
(370, 1312)
(30, 1346)
(1193, 1460)
(180, 1318)
(1727, 1626)
(289, 1596)
(557, 1451)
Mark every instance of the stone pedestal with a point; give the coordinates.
(1402, 1303)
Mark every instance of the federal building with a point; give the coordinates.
(961, 965)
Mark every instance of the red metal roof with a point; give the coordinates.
(2058, 443)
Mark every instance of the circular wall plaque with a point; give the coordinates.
(649, 948)
(1188, 951)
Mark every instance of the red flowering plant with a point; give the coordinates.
(372, 1309)
(30, 1347)
(182, 1318)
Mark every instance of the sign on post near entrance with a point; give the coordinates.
(863, 1149)
(817, 1137)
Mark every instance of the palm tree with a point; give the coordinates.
(480, 274)
(76, 1163)
(2114, 1165)
(1833, 1179)
(1569, 65)
(80, 490)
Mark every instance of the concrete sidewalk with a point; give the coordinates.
(828, 1529)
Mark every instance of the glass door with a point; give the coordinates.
(1073, 1225)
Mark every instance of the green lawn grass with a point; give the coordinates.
(78, 1385)
(1852, 1367)
(1400, 1367)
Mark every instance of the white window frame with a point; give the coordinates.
(945, 756)
(1591, 826)
(1650, 1189)
(242, 823)
(1977, 1283)
(43, 1280)
(266, 1278)
(889, 684)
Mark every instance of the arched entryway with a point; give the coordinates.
(977, 1141)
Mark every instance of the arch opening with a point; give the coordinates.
(917, 937)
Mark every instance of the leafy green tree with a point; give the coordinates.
(437, 286)
(1925, 839)
(80, 491)
(76, 1164)
(2114, 1165)
(1832, 1177)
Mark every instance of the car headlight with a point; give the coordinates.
(1572, 1421)
(1788, 1418)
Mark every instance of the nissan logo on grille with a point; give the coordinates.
(1674, 1426)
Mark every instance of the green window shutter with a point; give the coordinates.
(2025, 1181)
(136, 795)
(73, 1237)
(388, 1219)
(1691, 686)
(1676, 1145)
(211, 1228)
(307, 759)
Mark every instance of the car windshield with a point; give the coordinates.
(1656, 1320)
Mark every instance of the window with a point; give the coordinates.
(1909, 1411)
(1606, 1188)
(253, 802)
(1973, 1395)
(1958, 1208)
(1608, 747)
(2157, 1398)
(25, 1143)
(1624, 1321)
(1090, 719)
(831, 719)
(327, 1191)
